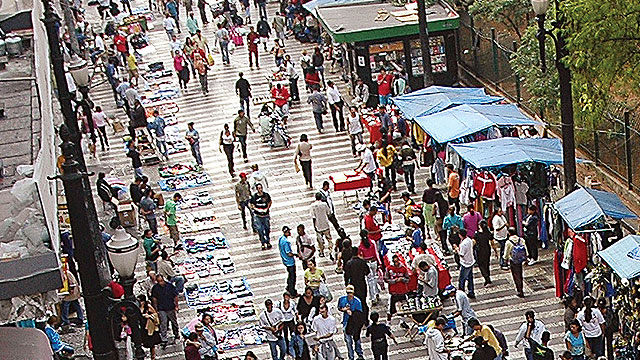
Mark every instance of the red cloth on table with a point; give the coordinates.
(350, 180)
(444, 278)
(579, 254)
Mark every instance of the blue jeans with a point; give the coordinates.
(528, 354)
(162, 147)
(224, 50)
(65, 311)
(383, 99)
(263, 227)
(262, 10)
(178, 283)
(466, 274)
(195, 151)
(274, 345)
(350, 342)
(243, 101)
(138, 172)
(318, 118)
(502, 244)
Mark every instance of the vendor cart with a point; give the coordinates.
(350, 180)
(417, 318)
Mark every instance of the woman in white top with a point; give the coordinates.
(592, 323)
(100, 122)
(226, 144)
(290, 314)
(355, 128)
(303, 155)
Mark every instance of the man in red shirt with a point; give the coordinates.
(120, 41)
(384, 86)
(253, 39)
(397, 276)
(371, 225)
(281, 96)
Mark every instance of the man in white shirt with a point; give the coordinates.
(361, 94)
(175, 45)
(98, 48)
(335, 104)
(293, 78)
(325, 326)
(500, 233)
(535, 333)
(169, 25)
(320, 213)
(467, 260)
(271, 322)
(367, 162)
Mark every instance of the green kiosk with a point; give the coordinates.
(378, 34)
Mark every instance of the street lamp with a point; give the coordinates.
(79, 70)
(123, 252)
(540, 8)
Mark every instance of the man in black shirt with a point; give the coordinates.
(378, 333)
(243, 90)
(135, 191)
(531, 234)
(136, 163)
(260, 203)
(165, 300)
(355, 273)
(541, 351)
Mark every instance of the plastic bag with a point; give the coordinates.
(324, 291)
(210, 59)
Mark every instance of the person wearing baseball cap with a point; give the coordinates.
(352, 317)
(288, 259)
(463, 307)
(243, 195)
(417, 237)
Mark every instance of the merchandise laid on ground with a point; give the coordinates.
(183, 182)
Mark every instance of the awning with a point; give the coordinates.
(510, 150)
(433, 99)
(624, 256)
(24, 343)
(463, 120)
(313, 4)
(584, 206)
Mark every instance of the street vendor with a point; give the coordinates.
(463, 307)
(397, 276)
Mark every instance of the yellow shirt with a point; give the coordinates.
(314, 279)
(489, 337)
(131, 62)
(386, 161)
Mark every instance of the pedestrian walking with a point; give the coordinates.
(136, 162)
(253, 39)
(243, 90)
(303, 155)
(592, 322)
(515, 253)
(367, 163)
(289, 311)
(467, 261)
(172, 9)
(325, 327)
(453, 225)
(226, 145)
(71, 300)
(203, 12)
(453, 187)
(320, 214)
(352, 322)
(165, 301)
(288, 259)
(263, 29)
(354, 125)
(148, 208)
(240, 124)
(260, 204)
(170, 208)
(483, 240)
(304, 245)
(326, 197)
(336, 104)
(441, 209)
(500, 233)
(222, 36)
(612, 325)
(243, 195)
(192, 24)
(158, 126)
(575, 341)
(279, 27)
(151, 249)
(271, 321)
(257, 177)
(262, 8)
(409, 164)
(202, 68)
(535, 328)
(318, 106)
(193, 137)
(149, 334)
(368, 252)
(293, 78)
(378, 333)
(463, 307)
(201, 43)
(386, 158)
(299, 343)
(170, 25)
(100, 123)
(471, 220)
(317, 60)
(530, 226)
(181, 68)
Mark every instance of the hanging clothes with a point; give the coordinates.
(453, 158)
(485, 185)
(580, 253)
(467, 192)
(557, 273)
(493, 133)
(596, 246)
(506, 192)
(521, 188)
(438, 171)
(568, 254)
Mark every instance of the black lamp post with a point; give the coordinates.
(123, 253)
(79, 71)
(89, 249)
(540, 8)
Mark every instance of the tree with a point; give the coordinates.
(514, 13)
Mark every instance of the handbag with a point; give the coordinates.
(324, 291)
(210, 59)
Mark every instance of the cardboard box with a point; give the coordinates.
(128, 215)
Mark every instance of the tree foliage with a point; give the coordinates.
(515, 14)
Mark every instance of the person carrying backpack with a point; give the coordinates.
(515, 252)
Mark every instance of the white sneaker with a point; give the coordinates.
(531, 262)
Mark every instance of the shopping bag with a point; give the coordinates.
(296, 166)
(324, 291)
(210, 59)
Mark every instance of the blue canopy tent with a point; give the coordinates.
(434, 99)
(510, 150)
(624, 257)
(463, 120)
(584, 206)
